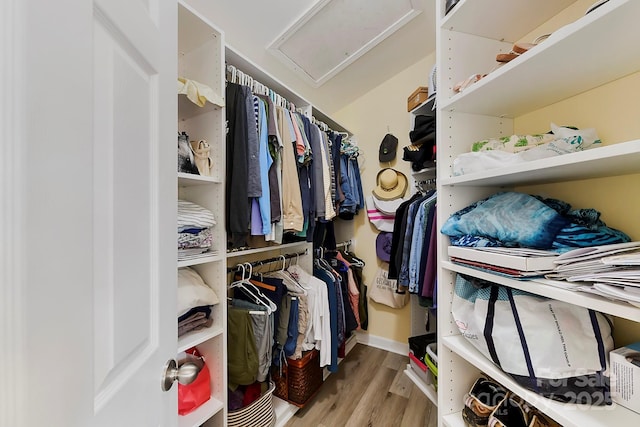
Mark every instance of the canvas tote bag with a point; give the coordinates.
(556, 349)
(384, 290)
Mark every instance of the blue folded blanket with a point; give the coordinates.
(518, 219)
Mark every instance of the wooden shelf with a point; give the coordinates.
(543, 75)
(426, 108)
(464, 17)
(190, 180)
(201, 260)
(201, 414)
(545, 288)
(286, 246)
(427, 389)
(610, 160)
(565, 414)
(194, 338)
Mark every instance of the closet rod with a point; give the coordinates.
(426, 184)
(346, 244)
(240, 77)
(269, 260)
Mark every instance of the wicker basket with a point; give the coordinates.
(300, 379)
(258, 414)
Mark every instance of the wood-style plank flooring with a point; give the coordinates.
(370, 389)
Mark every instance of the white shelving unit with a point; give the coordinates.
(201, 58)
(468, 39)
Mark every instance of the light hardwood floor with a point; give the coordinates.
(370, 389)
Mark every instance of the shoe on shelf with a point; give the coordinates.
(520, 48)
(512, 412)
(515, 412)
(481, 401)
(540, 420)
(201, 150)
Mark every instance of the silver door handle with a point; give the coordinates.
(185, 370)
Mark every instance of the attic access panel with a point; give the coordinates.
(334, 33)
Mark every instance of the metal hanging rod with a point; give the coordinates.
(269, 260)
(346, 244)
(235, 75)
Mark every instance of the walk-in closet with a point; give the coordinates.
(320, 213)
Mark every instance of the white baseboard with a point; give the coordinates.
(383, 343)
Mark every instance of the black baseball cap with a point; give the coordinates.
(388, 148)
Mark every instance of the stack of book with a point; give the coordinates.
(612, 271)
(511, 262)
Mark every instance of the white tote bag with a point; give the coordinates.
(554, 348)
(385, 291)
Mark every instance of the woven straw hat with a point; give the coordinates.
(390, 184)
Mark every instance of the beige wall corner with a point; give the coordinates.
(380, 111)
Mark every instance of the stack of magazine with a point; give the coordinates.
(612, 271)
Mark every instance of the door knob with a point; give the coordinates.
(186, 370)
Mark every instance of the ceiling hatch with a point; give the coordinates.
(334, 33)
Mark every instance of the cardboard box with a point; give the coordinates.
(625, 376)
(417, 97)
(504, 259)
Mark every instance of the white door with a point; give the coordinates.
(96, 230)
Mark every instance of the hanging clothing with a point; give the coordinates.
(254, 188)
(329, 281)
(262, 325)
(328, 184)
(262, 224)
(397, 242)
(318, 334)
(237, 184)
(292, 216)
(418, 241)
(242, 353)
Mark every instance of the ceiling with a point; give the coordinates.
(328, 51)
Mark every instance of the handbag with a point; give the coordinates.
(192, 395)
(186, 162)
(385, 291)
(556, 349)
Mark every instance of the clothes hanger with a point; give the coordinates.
(292, 272)
(266, 301)
(259, 283)
(321, 262)
(251, 290)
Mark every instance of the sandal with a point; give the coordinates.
(459, 87)
(515, 412)
(201, 151)
(519, 48)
